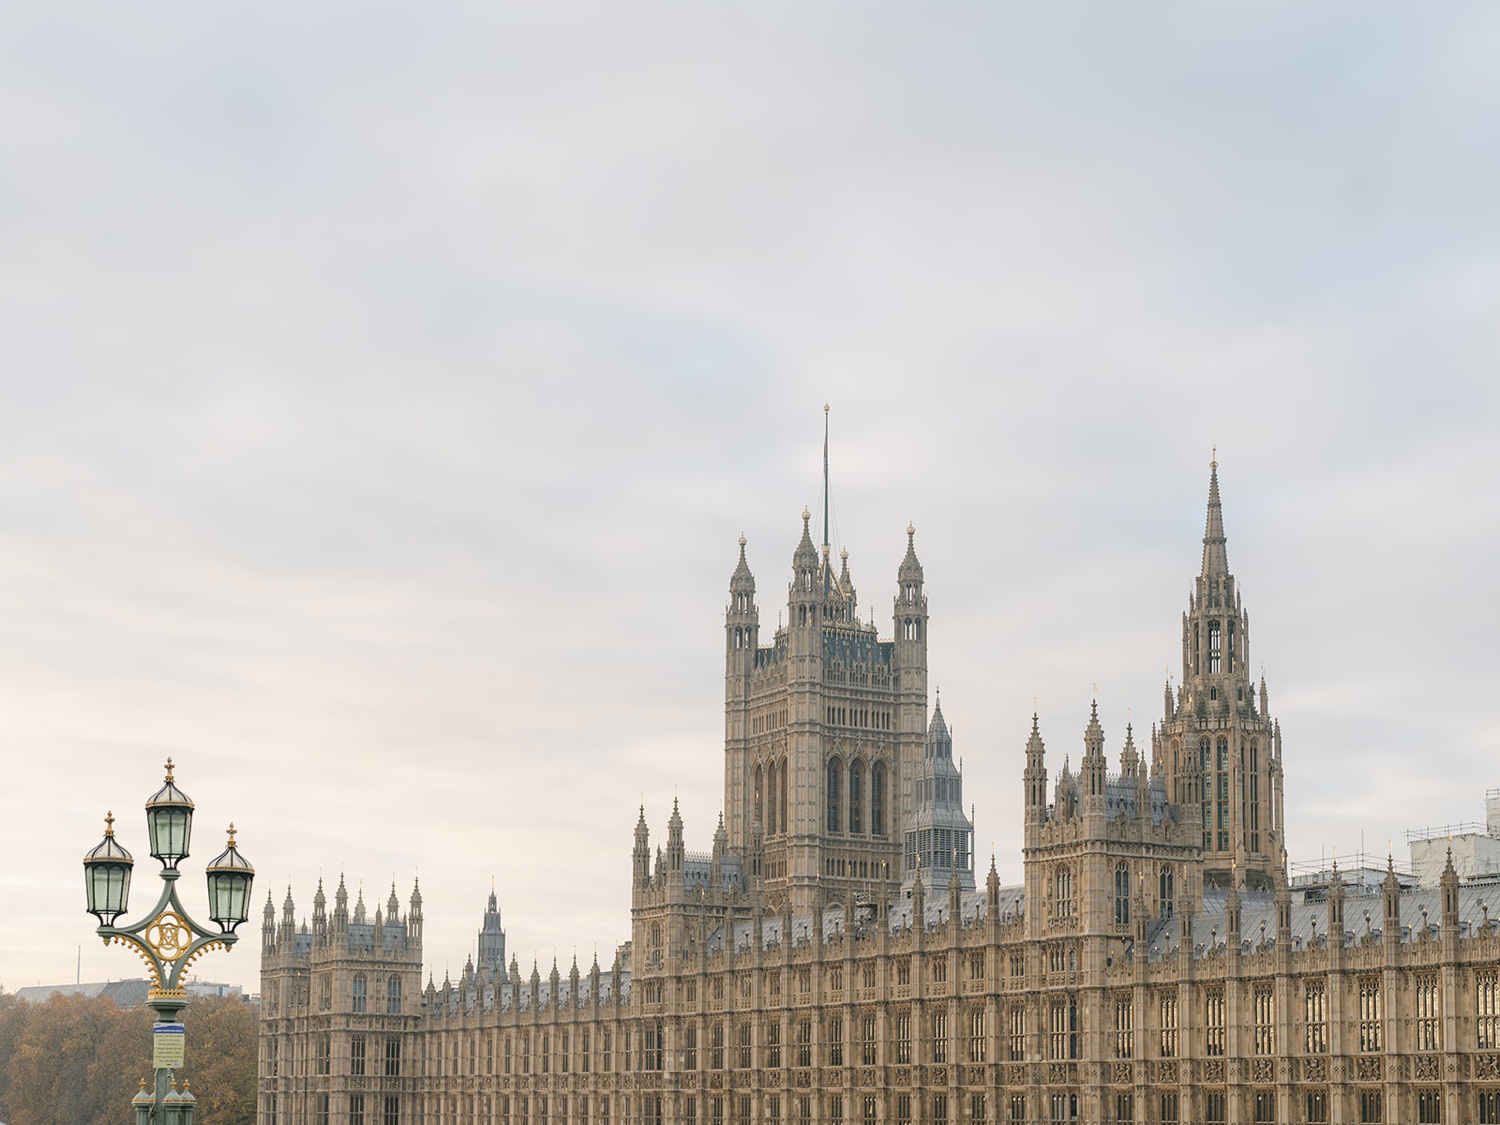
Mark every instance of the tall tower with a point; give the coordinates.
(823, 727)
(1216, 740)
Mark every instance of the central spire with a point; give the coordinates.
(1215, 557)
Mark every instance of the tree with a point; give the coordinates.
(76, 1060)
(221, 1060)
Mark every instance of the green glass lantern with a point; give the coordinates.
(106, 876)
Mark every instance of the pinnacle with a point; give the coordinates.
(1215, 557)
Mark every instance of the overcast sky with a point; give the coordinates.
(385, 387)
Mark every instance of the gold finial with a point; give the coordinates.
(806, 515)
(109, 823)
(143, 1083)
(231, 833)
(169, 770)
(825, 408)
(910, 528)
(1214, 464)
(743, 540)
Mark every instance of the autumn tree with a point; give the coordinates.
(76, 1060)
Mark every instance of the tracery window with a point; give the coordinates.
(1168, 1025)
(857, 797)
(877, 799)
(1124, 1030)
(1265, 1020)
(1122, 895)
(1214, 1021)
(835, 785)
(1487, 1011)
(361, 990)
(1429, 1028)
(1369, 1013)
(1315, 1009)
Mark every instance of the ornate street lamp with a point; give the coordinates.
(168, 939)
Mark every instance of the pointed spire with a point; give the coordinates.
(910, 569)
(1215, 557)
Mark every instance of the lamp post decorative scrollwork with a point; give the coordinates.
(167, 938)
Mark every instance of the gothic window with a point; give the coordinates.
(1315, 1010)
(1063, 897)
(393, 996)
(1122, 895)
(836, 1041)
(1214, 1022)
(1124, 1020)
(976, 1036)
(392, 1057)
(361, 987)
(940, 1036)
(782, 819)
(835, 784)
(1487, 1012)
(772, 794)
(1369, 1013)
(1429, 1033)
(804, 1043)
(773, 1045)
(877, 799)
(357, 1055)
(1213, 647)
(856, 797)
(1265, 1020)
(1168, 1025)
(903, 1039)
(1166, 892)
(760, 792)
(1229, 652)
(690, 1047)
(1017, 1035)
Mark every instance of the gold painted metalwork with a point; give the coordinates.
(169, 935)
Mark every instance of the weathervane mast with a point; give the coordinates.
(827, 563)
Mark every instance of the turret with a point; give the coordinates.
(393, 907)
(741, 619)
(641, 856)
(320, 915)
(1094, 768)
(1035, 776)
(1390, 893)
(910, 610)
(288, 930)
(340, 909)
(1448, 888)
(676, 856)
(268, 925)
(414, 917)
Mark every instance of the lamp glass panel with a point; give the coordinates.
(170, 827)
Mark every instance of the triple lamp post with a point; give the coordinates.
(168, 939)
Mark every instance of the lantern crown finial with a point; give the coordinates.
(231, 833)
(109, 823)
(169, 768)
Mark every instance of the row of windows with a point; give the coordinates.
(732, 1045)
(1061, 1106)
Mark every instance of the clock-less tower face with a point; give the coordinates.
(824, 729)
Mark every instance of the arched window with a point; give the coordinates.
(857, 797)
(760, 814)
(771, 799)
(877, 799)
(393, 996)
(1122, 895)
(1229, 667)
(1213, 647)
(1063, 898)
(801, 615)
(1166, 892)
(783, 820)
(835, 784)
(361, 987)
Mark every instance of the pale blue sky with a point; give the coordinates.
(385, 388)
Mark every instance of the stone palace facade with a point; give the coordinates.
(832, 959)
